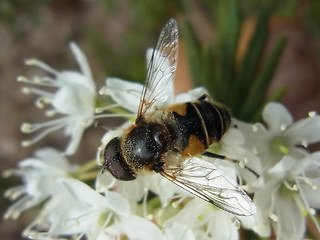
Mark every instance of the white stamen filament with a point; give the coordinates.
(39, 81)
(37, 91)
(11, 172)
(29, 128)
(14, 211)
(41, 135)
(102, 109)
(40, 64)
(307, 207)
(292, 188)
(14, 192)
(109, 115)
(272, 214)
(176, 203)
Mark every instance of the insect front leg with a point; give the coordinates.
(214, 155)
(204, 97)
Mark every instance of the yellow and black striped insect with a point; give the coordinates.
(165, 140)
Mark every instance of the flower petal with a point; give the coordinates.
(136, 228)
(126, 94)
(74, 99)
(179, 231)
(290, 224)
(305, 131)
(284, 165)
(82, 192)
(83, 64)
(276, 116)
(191, 95)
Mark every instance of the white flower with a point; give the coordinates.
(179, 231)
(39, 175)
(95, 216)
(291, 192)
(285, 192)
(206, 221)
(282, 136)
(73, 98)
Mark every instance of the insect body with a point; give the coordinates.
(166, 140)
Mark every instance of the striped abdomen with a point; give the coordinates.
(198, 125)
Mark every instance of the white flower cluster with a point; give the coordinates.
(286, 191)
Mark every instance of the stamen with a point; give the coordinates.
(102, 109)
(29, 128)
(41, 135)
(176, 203)
(37, 91)
(304, 143)
(14, 192)
(242, 164)
(309, 181)
(11, 172)
(103, 91)
(40, 64)
(42, 101)
(292, 188)
(108, 115)
(26, 143)
(40, 81)
(28, 232)
(312, 113)
(81, 235)
(312, 211)
(274, 217)
(51, 113)
(301, 204)
(283, 127)
(22, 79)
(18, 207)
(255, 128)
(25, 90)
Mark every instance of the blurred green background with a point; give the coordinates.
(244, 52)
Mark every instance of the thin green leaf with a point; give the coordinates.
(258, 88)
(193, 50)
(250, 62)
(228, 26)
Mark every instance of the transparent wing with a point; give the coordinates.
(206, 181)
(161, 68)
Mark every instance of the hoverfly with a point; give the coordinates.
(166, 140)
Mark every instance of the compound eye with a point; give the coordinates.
(115, 163)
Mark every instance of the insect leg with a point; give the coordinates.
(214, 155)
(204, 97)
